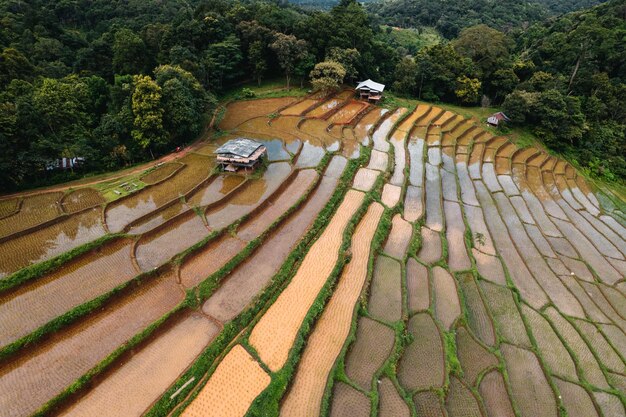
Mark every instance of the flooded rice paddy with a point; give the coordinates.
(507, 255)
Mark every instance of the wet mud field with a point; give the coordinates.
(390, 262)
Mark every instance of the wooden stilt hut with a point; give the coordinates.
(240, 153)
(370, 90)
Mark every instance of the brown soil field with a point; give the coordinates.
(590, 307)
(598, 298)
(458, 260)
(495, 397)
(559, 294)
(348, 401)
(310, 155)
(586, 361)
(529, 386)
(157, 218)
(50, 241)
(413, 205)
(434, 209)
(609, 404)
(37, 302)
(347, 113)
(351, 145)
(468, 194)
(34, 210)
(230, 390)
(391, 403)
(363, 127)
(605, 271)
(364, 179)
(209, 259)
(430, 251)
(474, 358)
(598, 343)
(240, 111)
(43, 372)
(336, 166)
(125, 210)
(520, 275)
(428, 404)
(552, 351)
(379, 136)
(562, 247)
(422, 363)
(418, 292)
(504, 311)
(241, 286)
(297, 108)
(275, 332)
(373, 345)
(416, 166)
(160, 173)
(331, 330)
(443, 118)
(540, 241)
(618, 381)
(399, 237)
(81, 199)
(324, 108)
(460, 401)
(131, 388)
(407, 123)
(217, 189)
(399, 161)
(385, 302)
(250, 197)
(391, 195)
(434, 156)
(490, 179)
(378, 161)
(447, 306)
(316, 131)
(575, 399)
(616, 337)
(617, 300)
(253, 228)
(477, 315)
(520, 207)
(448, 184)
(179, 234)
(9, 206)
(489, 267)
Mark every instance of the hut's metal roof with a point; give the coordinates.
(371, 85)
(241, 147)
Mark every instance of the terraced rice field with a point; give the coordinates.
(400, 262)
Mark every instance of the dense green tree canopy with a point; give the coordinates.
(114, 81)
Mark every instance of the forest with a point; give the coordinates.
(120, 82)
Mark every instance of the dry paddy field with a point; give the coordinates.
(400, 262)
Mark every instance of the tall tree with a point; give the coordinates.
(148, 128)
(289, 50)
(129, 53)
(327, 76)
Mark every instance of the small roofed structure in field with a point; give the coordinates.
(496, 118)
(370, 90)
(240, 153)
